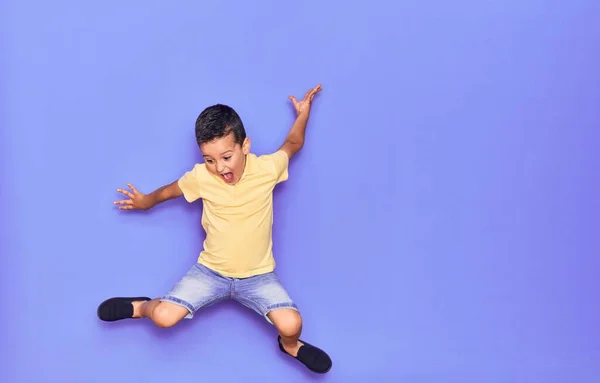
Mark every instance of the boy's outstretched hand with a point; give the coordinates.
(136, 199)
(295, 138)
(304, 105)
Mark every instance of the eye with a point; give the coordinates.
(227, 158)
(209, 161)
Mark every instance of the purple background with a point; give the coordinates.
(440, 224)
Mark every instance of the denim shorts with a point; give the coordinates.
(201, 287)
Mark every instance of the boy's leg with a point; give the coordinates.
(200, 287)
(163, 314)
(266, 295)
(288, 323)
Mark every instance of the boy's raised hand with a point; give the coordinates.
(303, 106)
(136, 199)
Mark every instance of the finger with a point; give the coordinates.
(126, 207)
(124, 202)
(126, 192)
(294, 101)
(311, 93)
(133, 189)
(314, 91)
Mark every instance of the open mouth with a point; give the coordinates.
(228, 177)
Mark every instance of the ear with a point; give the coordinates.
(246, 146)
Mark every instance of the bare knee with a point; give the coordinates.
(167, 314)
(287, 321)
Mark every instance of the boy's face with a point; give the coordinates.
(226, 159)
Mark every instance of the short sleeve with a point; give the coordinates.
(190, 183)
(279, 162)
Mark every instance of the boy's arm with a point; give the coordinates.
(295, 138)
(142, 201)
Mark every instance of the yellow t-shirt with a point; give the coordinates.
(238, 219)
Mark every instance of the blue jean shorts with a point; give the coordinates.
(201, 287)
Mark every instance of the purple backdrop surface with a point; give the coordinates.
(440, 224)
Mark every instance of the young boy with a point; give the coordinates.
(237, 262)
